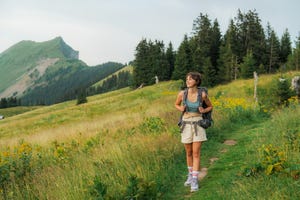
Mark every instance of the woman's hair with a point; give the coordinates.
(196, 76)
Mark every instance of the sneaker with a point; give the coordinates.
(188, 182)
(194, 185)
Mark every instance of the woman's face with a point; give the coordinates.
(190, 82)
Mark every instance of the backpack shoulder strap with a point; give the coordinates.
(185, 94)
(200, 90)
(203, 89)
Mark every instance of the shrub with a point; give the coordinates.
(272, 159)
(5, 168)
(81, 98)
(275, 94)
(15, 165)
(292, 137)
(61, 151)
(21, 164)
(138, 188)
(91, 143)
(98, 190)
(283, 92)
(152, 125)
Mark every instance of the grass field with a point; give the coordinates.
(126, 145)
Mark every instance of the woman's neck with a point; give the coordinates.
(193, 89)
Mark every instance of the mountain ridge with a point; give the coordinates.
(25, 56)
(28, 67)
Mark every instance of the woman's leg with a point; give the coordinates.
(189, 162)
(196, 166)
(189, 154)
(196, 150)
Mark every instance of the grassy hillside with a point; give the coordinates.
(126, 145)
(127, 68)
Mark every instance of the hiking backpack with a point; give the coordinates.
(207, 120)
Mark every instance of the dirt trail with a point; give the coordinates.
(204, 170)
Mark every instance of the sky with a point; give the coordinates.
(109, 30)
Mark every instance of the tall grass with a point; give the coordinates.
(116, 146)
(126, 145)
(263, 165)
(270, 168)
(75, 174)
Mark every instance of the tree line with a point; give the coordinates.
(71, 80)
(115, 82)
(67, 82)
(244, 48)
(9, 102)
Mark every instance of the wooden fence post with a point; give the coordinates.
(255, 86)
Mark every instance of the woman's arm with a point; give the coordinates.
(207, 102)
(178, 102)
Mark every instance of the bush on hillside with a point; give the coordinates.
(275, 94)
(81, 98)
(283, 92)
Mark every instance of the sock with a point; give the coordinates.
(195, 174)
(190, 170)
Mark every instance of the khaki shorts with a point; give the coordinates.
(189, 134)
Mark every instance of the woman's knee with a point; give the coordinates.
(189, 150)
(189, 153)
(196, 154)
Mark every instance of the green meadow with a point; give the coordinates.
(126, 145)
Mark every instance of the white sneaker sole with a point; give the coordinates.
(187, 184)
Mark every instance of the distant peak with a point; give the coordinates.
(54, 47)
(59, 38)
(67, 50)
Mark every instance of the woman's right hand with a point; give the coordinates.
(182, 108)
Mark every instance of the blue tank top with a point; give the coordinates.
(192, 106)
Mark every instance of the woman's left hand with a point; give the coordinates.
(201, 110)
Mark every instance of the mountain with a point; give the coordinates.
(29, 58)
(47, 72)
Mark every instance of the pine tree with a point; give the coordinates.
(202, 33)
(209, 73)
(81, 97)
(272, 49)
(251, 36)
(283, 92)
(183, 61)
(170, 56)
(141, 69)
(228, 64)
(124, 79)
(294, 58)
(150, 61)
(228, 61)
(159, 64)
(285, 47)
(215, 52)
(231, 37)
(3, 103)
(248, 66)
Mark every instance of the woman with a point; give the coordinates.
(192, 135)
